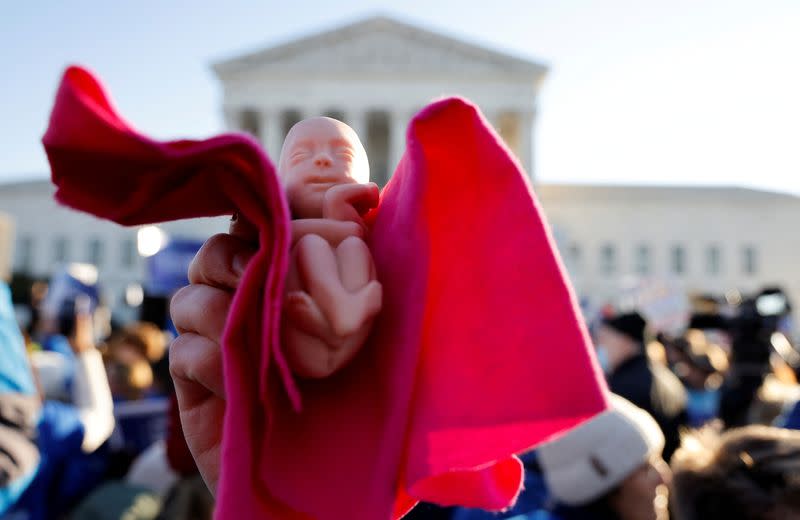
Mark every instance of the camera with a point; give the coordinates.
(755, 321)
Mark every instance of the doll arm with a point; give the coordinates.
(342, 210)
(350, 202)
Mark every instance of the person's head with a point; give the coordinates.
(698, 363)
(317, 154)
(129, 376)
(714, 326)
(142, 338)
(620, 338)
(748, 473)
(612, 461)
(127, 364)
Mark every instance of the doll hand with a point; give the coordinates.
(350, 201)
(333, 231)
(199, 312)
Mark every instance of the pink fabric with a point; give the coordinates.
(479, 352)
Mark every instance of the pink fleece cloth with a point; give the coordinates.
(479, 352)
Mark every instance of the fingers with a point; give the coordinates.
(222, 260)
(196, 367)
(201, 309)
(333, 231)
(195, 363)
(349, 201)
(305, 315)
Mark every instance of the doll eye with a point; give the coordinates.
(298, 155)
(345, 153)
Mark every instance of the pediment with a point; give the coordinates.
(380, 46)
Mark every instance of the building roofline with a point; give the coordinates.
(576, 188)
(21, 183)
(342, 32)
(663, 189)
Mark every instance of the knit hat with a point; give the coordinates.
(631, 324)
(597, 456)
(705, 321)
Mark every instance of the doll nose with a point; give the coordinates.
(322, 161)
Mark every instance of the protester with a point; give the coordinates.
(750, 473)
(701, 367)
(620, 343)
(139, 403)
(610, 467)
(19, 410)
(67, 435)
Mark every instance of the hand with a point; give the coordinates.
(82, 339)
(199, 312)
(333, 231)
(350, 202)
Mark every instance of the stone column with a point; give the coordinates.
(357, 119)
(526, 120)
(271, 132)
(398, 125)
(232, 119)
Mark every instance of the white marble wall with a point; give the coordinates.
(695, 219)
(40, 220)
(585, 217)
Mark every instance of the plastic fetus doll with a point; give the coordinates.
(332, 295)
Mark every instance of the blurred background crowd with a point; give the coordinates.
(689, 292)
(706, 416)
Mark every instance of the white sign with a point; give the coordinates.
(662, 302)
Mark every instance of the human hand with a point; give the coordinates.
(199, 312)
(82, 339)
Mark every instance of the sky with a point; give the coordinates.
(638, 91)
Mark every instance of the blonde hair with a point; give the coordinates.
(145, 337)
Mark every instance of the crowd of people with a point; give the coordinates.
(88, 428)
(702, 424)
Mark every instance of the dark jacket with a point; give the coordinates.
(658, 391)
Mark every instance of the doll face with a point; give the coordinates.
(318, 154)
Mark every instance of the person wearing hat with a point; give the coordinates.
(620, 344)
(609, 468)
(701, 366)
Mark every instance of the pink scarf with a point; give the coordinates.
(479, 352)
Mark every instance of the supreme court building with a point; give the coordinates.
(375, 75)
